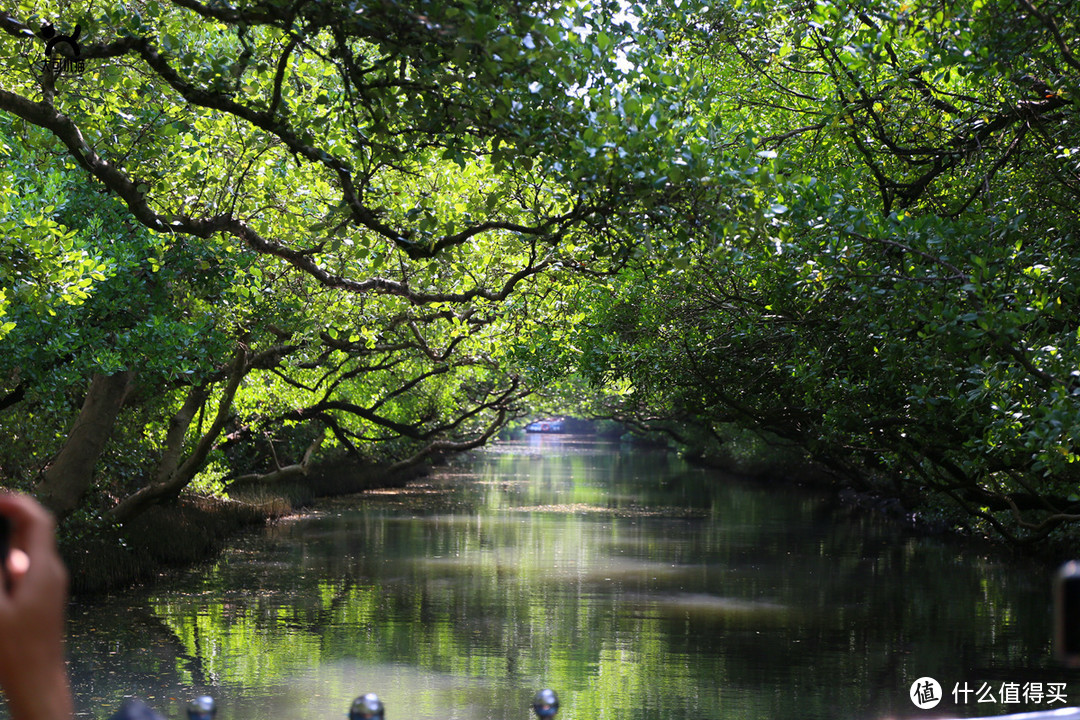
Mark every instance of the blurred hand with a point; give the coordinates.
(33, 601)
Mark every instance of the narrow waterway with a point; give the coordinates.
(637, 587)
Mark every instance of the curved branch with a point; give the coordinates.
(279, 473)
(135, 503)
(44, 115)
(1051, 24)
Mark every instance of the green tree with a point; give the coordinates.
(373, 193)
(885, 278)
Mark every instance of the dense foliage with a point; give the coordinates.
(246, 235)
(888, 281)
(294, 227)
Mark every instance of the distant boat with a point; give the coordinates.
(568, 425)
(550, 425)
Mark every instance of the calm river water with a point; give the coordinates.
(637, 587)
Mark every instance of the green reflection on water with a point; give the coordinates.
(634, 585)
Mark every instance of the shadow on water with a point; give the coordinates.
(637, 586)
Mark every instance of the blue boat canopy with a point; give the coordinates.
(549, 425)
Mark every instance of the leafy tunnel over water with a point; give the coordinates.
(624, 579)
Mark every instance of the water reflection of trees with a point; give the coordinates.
(765, 609)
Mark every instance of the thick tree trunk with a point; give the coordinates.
(70, 475)
(172, 475)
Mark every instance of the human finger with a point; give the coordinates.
(37, 565)
(18, 562)
(34, 529)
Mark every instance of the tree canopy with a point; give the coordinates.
(892, 287)
(310, 223)
(379, 228)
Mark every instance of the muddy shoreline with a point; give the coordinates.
(195, 529)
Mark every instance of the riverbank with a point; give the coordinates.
(863, 498)
(196, 528)
(191, 530)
